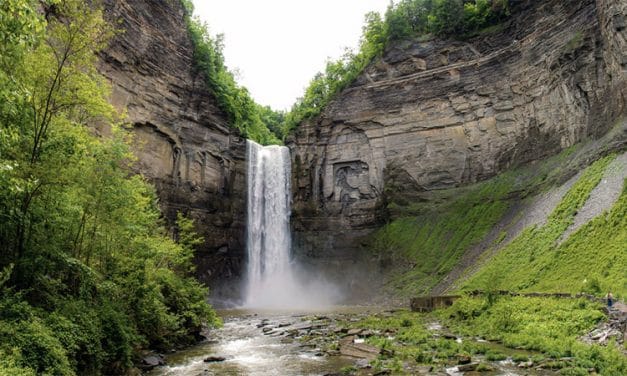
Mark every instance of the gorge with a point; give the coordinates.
(424, 119)
(472, 153)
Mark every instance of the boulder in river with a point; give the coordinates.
(151, 361)
(214, 359)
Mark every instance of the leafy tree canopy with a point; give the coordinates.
(88, 273)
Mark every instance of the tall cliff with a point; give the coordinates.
(437, 114)
(181, 137)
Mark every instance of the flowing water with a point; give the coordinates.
(251, 351)
(273, 279)
(270, 282)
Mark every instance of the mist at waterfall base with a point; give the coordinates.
(273, 279)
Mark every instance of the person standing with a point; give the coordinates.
(610, 299)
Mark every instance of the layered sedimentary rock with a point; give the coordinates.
(181, 136)
(437, 114)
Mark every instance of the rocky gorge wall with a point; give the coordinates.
(181, 137)
(437, 114)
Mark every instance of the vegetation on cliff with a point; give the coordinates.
(540, 260)
(88, 273)
(403, 20)
(428, 241)
(254, 121)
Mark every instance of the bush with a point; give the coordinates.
(38, 346)
(495, 356)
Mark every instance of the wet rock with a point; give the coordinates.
(302, 326)
(359, 350)
(467, 367)
(463, 359)
(383, 372)
(353, 332)
(362, 364)
(422, 370)
(152, 361)
(367, 333)
(214, 359)
(528, 364)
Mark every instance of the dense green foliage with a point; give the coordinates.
(88, 273)
(403, 20)
(538, 260)
(254, 121)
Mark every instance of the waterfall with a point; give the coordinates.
(268, 239)
(273, 279)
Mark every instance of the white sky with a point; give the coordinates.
(277, 46)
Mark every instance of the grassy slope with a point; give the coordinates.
(429, 240)
(592, 259)
(426, 242)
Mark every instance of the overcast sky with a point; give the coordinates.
(278, 45)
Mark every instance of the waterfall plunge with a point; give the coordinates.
(273, 280)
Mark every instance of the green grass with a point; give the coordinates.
(592, 259)
(425, 240)
(435, 240)
(543, 330)
(548, 325)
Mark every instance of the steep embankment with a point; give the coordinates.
(182, 139)
(427, 122)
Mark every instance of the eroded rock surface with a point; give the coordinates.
(432, 115)
(181, 137)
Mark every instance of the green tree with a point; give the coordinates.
(89, 273)
(243, 112)
(447, 17)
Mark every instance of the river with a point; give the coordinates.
(255, 344)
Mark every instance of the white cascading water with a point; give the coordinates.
(271, 279)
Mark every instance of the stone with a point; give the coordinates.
(359, 350)
(463, 359)
(467, 367)
(214, 359)
(152, 361)
(355, 331)
(527, 364)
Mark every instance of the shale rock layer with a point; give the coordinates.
(438, 114)
(181, 137)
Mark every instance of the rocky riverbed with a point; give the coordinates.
(341, 343)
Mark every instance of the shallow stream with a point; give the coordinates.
(268, 343)
(251, 351)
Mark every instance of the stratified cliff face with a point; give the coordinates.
(441, 113)
(181, 137)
